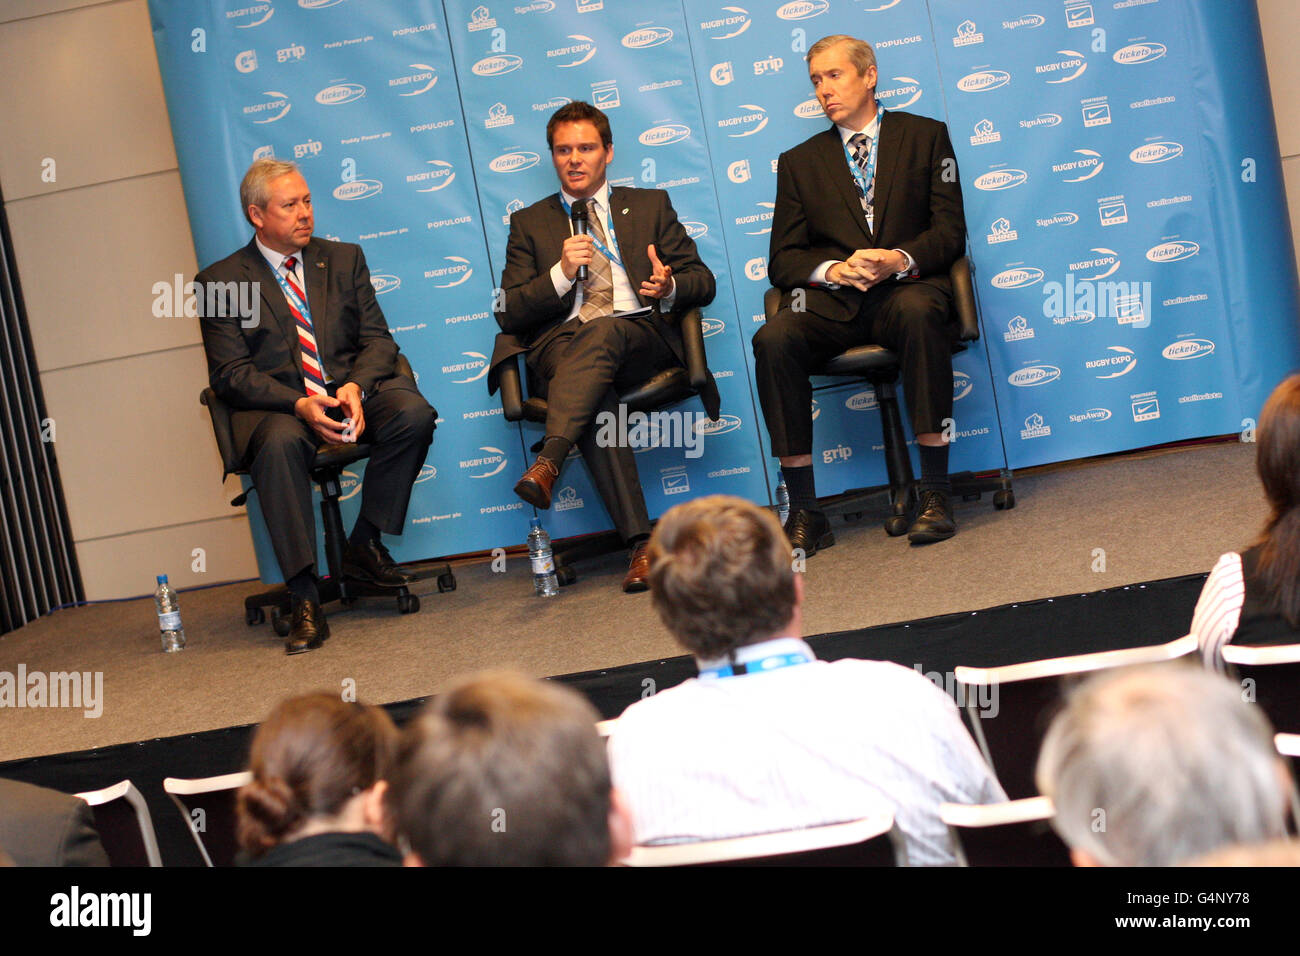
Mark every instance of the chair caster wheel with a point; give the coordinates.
(565, 576)
(446, 582)
(896, 525)
(852, 517)
(1004, 500)
(408, 603)
(281, 623)
(254, 616)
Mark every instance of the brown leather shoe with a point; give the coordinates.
(638, 571)
(536, 484)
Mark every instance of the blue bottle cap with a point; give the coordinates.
(162, 579)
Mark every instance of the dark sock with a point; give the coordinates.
(555, 450)
(363, 532)
(303, 586)
(803, 489)
(635, 540)
(934, 469)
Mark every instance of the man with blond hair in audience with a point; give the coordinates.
(505, 770)
(768, 737)
(1156, 766)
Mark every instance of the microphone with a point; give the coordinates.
(578, 216)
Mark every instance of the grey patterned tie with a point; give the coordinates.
(598, 293)
(861, 154)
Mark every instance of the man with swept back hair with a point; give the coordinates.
(768, 737)
(314, 365)
(1156, 766)
(505, 770)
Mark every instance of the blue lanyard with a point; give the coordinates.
(288, 291)
(609, 231)
(776, 662)
(861, 178)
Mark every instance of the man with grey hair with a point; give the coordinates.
(1155, 766)
(313, 364)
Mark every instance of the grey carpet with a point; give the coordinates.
(1154, 514)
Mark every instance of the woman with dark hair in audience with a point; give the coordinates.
(1254, 597)
(320, 779)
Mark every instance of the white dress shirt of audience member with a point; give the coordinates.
(769, 738)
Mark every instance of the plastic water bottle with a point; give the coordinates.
(542, 559)
(169, 616)
(782, 498)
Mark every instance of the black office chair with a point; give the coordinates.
(879, 366)
(326, 471)
(665, 388)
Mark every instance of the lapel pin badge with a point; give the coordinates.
(625, 211)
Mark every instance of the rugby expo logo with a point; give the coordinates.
(383, 283)
(802, 9)
(1032, 375)
(440, 177)
(497, 65)
(582, 49)
(1173, 251)
(1160, 152)
(744, 124)
(340, 93)
(515, 161)
(1107, 261)
(272, 109)
(424, 74)
(358, 189)
(475, 368)
(1088, 165)
(493, 459)
(1120, 361)
(1139, 53)
(902, 95)
(459, 271)
(732, 22)
(1188, 349)
(318, 4)
(253, 14)
(762, 218)
(647, 37)
(1001, 179)
(1063, 71)
(962, 385)
(1017, 278)
(983, 80)
(664, 134)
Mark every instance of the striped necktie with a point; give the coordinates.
(598, 293)
(861, 154)
(312, 373)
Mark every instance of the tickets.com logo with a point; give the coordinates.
(648, 37)
(1139, 53)
(664, 135)
(513, 162)
(1017, 278)
(1001, 179)
(497, 65)
(1188, 349)
(1034, 375)
(802, 9)
(1173, 251)
(340, 93)
(1156, 153)
(358, 189)
(983, 81)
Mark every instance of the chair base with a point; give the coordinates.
(969, 486)
(346, 590)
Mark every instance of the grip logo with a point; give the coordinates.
(802, 9)
(1156, 152)
(358, 189)
(1001, 179)
(664, 135)
(647, 37)
(1139, 53)
(1017, 278)
(983, 80)
(497, 65)
(1173, 251)
(514, 162)
(340, 93)
(1034, 375)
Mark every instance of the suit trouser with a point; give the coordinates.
(580, 372)
(912, 319)
(280, 449)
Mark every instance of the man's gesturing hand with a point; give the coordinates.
(660, 283)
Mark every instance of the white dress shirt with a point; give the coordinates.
(800, 746)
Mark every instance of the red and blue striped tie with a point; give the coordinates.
(312, 373)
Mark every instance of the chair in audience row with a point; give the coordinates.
(124, 824)
(871, 841)
(1270, 676)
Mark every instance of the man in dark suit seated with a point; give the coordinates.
(868, 220)
(581, 351)
(312, 363)
(43, 827)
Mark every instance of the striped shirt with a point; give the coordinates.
(801, 746)
(1218, 610)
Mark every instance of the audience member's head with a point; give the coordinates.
(1155, 766)
(1277, 458)
(319, 765)
(721, 576)
(504, 770)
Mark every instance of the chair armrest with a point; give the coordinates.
(963, 297)
(512, 391)
(403, 367)
(771, 303)
(219, 412)
(697, 363)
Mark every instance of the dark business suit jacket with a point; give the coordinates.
(260, 367)
(43, 827)
(818, 215)
(533, 313)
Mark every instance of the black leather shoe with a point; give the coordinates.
(933, 519)
(809, 531)
(374, 564)
(308, 629)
